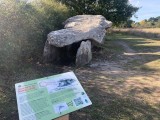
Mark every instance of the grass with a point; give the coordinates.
(120, 89)
(150, 30)
(146, 54)
(153, 65)
(123, 97)
(145, 32)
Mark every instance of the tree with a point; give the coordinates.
(117, 11)
(136, 25)
(158, 24)
(143, 23)
(24, 28)
(152, 19)
(129, 23)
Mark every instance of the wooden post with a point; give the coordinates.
(66, 117)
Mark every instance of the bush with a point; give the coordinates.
(24, 27)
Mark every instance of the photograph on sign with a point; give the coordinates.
(50, 97)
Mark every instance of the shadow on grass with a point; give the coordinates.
(108, 105)
(115, 107)
(140, 44)
(146, 51)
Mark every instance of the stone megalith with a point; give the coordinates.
(84, 53)
(76, 29)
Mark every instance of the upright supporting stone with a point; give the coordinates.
(84, 53)
(51, 53)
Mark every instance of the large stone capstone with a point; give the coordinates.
(76, 29)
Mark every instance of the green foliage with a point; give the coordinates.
(24, 28)
(150, 23)
(127, 24)
(152, 19)
(158, 24)
(116, 11)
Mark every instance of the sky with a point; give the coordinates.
(148, 8)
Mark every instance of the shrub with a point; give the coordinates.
(24, 27)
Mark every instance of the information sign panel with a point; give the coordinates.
(50, 97)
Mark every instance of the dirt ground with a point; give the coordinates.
(122, 81)
(124, 87)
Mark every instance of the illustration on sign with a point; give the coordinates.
(50, 97)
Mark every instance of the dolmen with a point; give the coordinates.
(75, 41)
